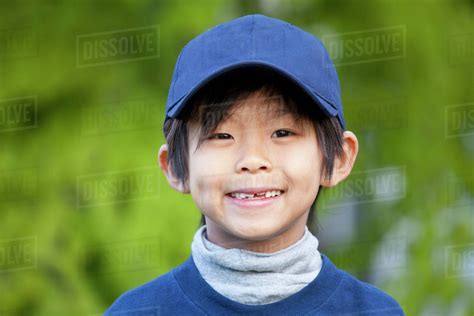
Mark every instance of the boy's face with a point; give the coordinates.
(250, 151)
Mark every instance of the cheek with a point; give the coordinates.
(303, 161)
(207, 174)
(205, 168)
(302, 167)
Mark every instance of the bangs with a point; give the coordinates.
(276, 97)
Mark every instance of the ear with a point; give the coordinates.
(343, 165)
(174, 182)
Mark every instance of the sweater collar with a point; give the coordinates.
(200, 291)
(257, 278)
(310, 298)
(296, 258)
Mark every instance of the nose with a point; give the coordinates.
(253, 157)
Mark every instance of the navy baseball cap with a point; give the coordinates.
(256, 40)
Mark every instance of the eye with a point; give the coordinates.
(220, 136)
(283, 133)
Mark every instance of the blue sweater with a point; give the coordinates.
(183, 291)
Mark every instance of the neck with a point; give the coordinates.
(265, 244)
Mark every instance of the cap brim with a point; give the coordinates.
(327, 107)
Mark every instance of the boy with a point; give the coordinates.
(254, 129)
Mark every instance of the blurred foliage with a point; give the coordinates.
(70, 255)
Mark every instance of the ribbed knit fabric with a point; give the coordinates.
(255, 278)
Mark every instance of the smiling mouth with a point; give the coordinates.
(255, 196)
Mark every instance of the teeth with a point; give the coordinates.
(243, 196)
(272, 193)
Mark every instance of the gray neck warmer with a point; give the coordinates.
(256, 278)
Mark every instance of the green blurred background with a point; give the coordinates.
(85, 213)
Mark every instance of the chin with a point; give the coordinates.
(254, 230)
